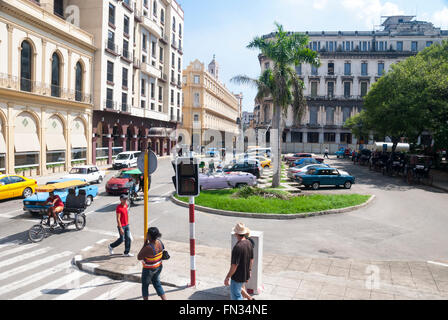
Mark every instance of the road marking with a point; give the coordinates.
(102, 232)
(74, 275)
(10, 214)
(8, 244)
(87, 248)
(115, 292)
(23, 257)
(33, 265)
(102, 241)
(18, 249)
(438, 263)
(85, 288)
(33, 278)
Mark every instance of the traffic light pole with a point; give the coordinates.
(146, 184)
(192, 244)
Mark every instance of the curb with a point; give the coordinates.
(270, 215)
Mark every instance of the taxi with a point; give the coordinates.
(12, 186)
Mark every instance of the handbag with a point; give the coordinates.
(165, 255)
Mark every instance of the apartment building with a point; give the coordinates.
(351, 61)
(46, 107)
(137, 76)
(211, 111)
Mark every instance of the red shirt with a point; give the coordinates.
(58, 202)
(123, 210)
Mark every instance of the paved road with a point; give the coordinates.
(404, 223)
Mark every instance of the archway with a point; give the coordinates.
(26, 143)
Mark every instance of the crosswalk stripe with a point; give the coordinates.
(112, 294)
(23, 257)
(85, 288)
(18, 249)
(33, 278)
(33, 265)
(8, 244)
(53, 285)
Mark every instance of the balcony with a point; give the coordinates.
(126, 55)
(179, 84)
(128, 5)
(111, 48)
(180, 50)
(125, 108)
(152, 26)
(332, 97)
(110, 105)
(138, 16)
(163, 77)
(136, 63)
(150, 70)
(174, 45)
(164, 39)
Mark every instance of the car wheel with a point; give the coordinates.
(240, 185)
(28, 192)
(100, 179)
(347, 185)
(315, 185)
(89, 201)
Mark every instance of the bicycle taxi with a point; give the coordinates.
(74, 206)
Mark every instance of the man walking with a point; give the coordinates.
(326, 153)
(123, 228)
(241, 262)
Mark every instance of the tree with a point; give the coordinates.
(281, 83)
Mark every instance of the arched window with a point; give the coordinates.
(55, 75)
(26, 63)
(174, 24)
(78, 82)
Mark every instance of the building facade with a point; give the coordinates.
(138, 67)
(351, 62)
(46, 106)
(210, 110)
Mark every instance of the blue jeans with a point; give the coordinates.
(235, 290)
(152, 276)
(126, 237)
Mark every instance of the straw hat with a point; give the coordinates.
(241, 229)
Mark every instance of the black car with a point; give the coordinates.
(245, 167)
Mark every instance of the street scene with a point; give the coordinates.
(138, 162)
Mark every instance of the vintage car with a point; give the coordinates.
(223, 181)
(343, 153)
(119, 184)
(88, 173)
(304, 168)
(297, 156)
(12, 185)
(251, 166)
(61, 188)
(304, 161)
(325, 177)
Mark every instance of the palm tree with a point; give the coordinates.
(281, 83)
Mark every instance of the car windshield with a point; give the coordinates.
(123, 156)
(78, 171)
(123, 175)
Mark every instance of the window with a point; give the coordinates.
(180, 30)
(346, 114)
(313, 137)
(346, 138)
(144, 42)
(196, 117)
(110, 71)
(363, 89)
(331, 46)
(111, 40)
(26, 60)
(153, 90)
(160, 93)
(125, 77)
(381, 48)
(414, 46)
(55, 75)
(330, 68)
(178, 99)
(197, 79)
(347, 68)
(347, 89)
(126, 49)
(154, 8)
(78, 82)
(364, 70)
(329, 137)
(111, 14)
(173, 60)
(161, 55)
(109, 98)
(428, 43)
(313, 115)
(314, 70)
(179, 64)
(143, 88)
(58, 8)
(314, 89)
(330, 89)
(153, 106)
(174, 24)
(299, 69)
(196, 99)
(126, 25)
(399, 45)
(162, 16)
(330, 116)
(364, 46)
(124, 102)
(172, 97)
(380, 68)
(296, 137)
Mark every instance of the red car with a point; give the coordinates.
(290, 160)
(117, 185)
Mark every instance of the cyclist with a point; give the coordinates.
(57, 207)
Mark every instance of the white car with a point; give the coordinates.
(88, 173)
(126, 159)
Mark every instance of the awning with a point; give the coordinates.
(2, 143)
(55, 142)
(26, 142)
(79, 141)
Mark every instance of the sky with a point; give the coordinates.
(225, 27)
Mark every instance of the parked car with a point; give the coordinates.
(247, 166)
(12, 185)
(118, 184)
(88, 173)
(325, 177)
(212, 152)
(266, 152)
(223, 181)
(126, 160)
(343, 153)
(304, 168)
(33, 204)
(304, 161)
(297, 156)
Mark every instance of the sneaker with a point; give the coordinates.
(111, 250)
(128, 255)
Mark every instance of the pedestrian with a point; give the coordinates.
(151, 257)
(241, 262)
(123, 228)
(211, 166)
(326, 153)
(243, 289)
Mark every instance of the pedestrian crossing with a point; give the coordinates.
(37, 272)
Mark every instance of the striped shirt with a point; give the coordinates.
(153, 261)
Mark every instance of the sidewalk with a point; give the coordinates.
(284, 277)
(440, 180)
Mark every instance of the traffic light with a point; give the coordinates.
(187, 177)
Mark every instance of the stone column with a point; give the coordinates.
(94, 139)
(10, 159)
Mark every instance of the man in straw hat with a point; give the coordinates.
(241, 262)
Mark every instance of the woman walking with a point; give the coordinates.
(151, 257)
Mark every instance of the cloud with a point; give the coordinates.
(370, 11)
(320, 4)
(440, 18)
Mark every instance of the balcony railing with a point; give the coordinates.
(111, 47)
(163, 77)
(333, 97)
(36, 87)
(109, 104)
(126, 55)
(165, 39)
(136, 63)
(125, 107)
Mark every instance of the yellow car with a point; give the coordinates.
(12, 186)
(266, 164)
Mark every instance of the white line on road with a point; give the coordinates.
(34, 278)
(8, 244)
(103, 232)
(85, 288)
(10, 214)
(115, 292)
(74, 275)
(23, 257)
(18, 249)
(33, 265)
(438, 263)
(102, 241)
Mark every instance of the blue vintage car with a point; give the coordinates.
(34, 203)
(305, 161)
(317, 177)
